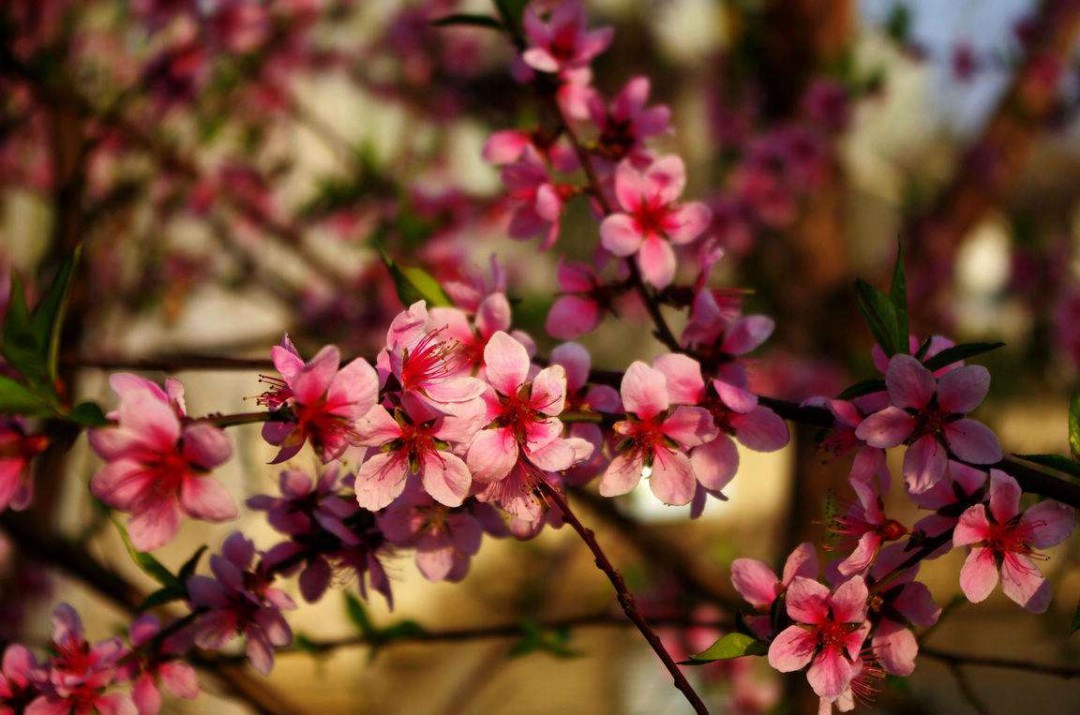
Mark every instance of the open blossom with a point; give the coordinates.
(157, 466)
(445, 538)
(961, 484)
(76, 678)
(163, 666)
(928, 415)
(863, 527)
(562, 41)
(760, 586)
(412, 441)
(537, 199)
(240, 601)
(650, 220)
(828, 634)
(323, 402)
(626, 125)
(492, 315)
(904, 602)
(1005, 540)
(17, 448)
(654, 439)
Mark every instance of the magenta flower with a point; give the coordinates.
(323, 402)
(1005, 540)
(562, 42)
(759, 585)
(445, 539)
(651, 220)
(17, 687)
(863, 528)
(17, 448)
(928, 415)
(240, 601)
(157, 466)
(654, 439)
(162, 666)
(492, 315)
(828, 634)
(537, 200)
(626, 125)
(522, 415)
(413, 441)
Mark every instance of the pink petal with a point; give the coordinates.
(685, 385)
(1004, 496)
(572, 316)
(755, 582)
(576, 361)
(445, 478)
(792, 650)
(672, 479)
(492, 453)
(690, 221)
(549, 390)
(887, 428)
(979, 575)
(493, 314)
(205, 498)
(622, 475)
(380, 480)
(972, 441)
(761, 429)
(963, 389)
(803, 561)
(972, 527)
(1022, 582)
(644, 390)
(629, 189)
(849, 601)
(924, 464)
(205, 445)
(506, 364)
(715, 463)
(747, 334)
(807, 600)
(916, 604)
(314, 579)
(1050, 523)
(435, 564)
(830, 674)
(665, 179)
(909, 383)
(179, 679)
(145, 695)
(656, 259)
(155, 523)
(690, 426)
(312, 382)
(355, 386)
(118, 484)
(735, 398)
(377, 427)
(619, 234)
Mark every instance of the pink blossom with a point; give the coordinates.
(491, 315)
(17, 448)
(863, 528)
(828, 633)
(903, 602)
(161, 666)
(654, 438)
(928, 414)
(651, 220)
(17, 687)
(317, 401)
(948, 498)
(578, 308)
(522, 416)
(1005, 540)
(759, 585)
(626, 125)
(561, 41)
(581, 397)
(537, 200)
(157, 464)
(444, 538)
(240, 601)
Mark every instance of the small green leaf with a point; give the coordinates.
(16, 398)
(733, 645)
(165, 594)
(864, 387)
(1074, 426)
(957, 353)
(88, 414)
(468, 20)
(358, 616)
(150, 565)
(898, 296)
(405, 629)
(880, 316)
(303, 643)
(189, 566)
(414, 283)
(1058, 462)
(20, 345)
(48, 317)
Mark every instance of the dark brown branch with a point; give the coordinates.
(1049, 669)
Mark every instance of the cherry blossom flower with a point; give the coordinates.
(654, 439)
(760, 586)
(577, 310)
(628, 122)
(17, 687)
(17, 448)
(562, 42)
(492, 315)
(444, 538)
(1005, 540)
(928, 414)
(537, 200)
(828, 633)
(322, 402)
(902, 603)
(582, 397)
(651, 220)
(863, 528)
(157, 466)
(961, 488)
(162, 666)
(240, 601)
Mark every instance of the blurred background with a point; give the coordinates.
(230, 165)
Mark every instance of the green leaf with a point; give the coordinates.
(864, 387)
(957, 353)
(880, 316)
(189, 566)
(165, 594)
(1058, 462)
(414, 283)
(16, 398)
(88, 414)
(303, 643)
(150, 565)
(898, 24)
(733, 645)
(898, 296)
(405, 629)
(48, 317)
(1074, 425)
(20, 344)
(358, 616)
(469, 21)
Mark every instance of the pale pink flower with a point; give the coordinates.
(562, 41)
(760, 586)
(863, 528)
(157, 466)
(828, 633)
(654, 438)
(240, 600)
(1005, 540)
(445, 538)
(317, 401)
(650, 219)
(17, 448)
(928, 415)
(162, 666)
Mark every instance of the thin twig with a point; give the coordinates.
(966, 689)
(1053, 670)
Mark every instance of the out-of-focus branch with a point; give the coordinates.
(992, 164)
